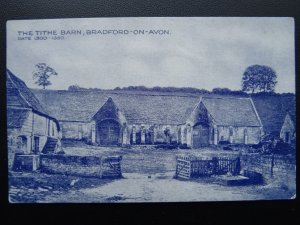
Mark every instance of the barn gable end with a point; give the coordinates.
(287, 132)
(217, 119)
(109, 111)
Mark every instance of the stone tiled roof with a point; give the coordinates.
(16, 117)
(147, 108)
(293, 118)
(273, 109)
(137, 108)
(229, 111)
(18, 94)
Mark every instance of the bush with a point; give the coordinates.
(87, 141)
(224, 142)
(227, 148)
(126, 146)
(282, 148)
(277, 147)
(166, 146)
(254, 149)
(184, 146)
(256, 146)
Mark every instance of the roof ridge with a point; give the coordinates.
(125, 93)
(255, 111)
(229, 97)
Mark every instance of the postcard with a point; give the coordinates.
(151, 109)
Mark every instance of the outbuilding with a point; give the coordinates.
(30, 129)
(288, 129)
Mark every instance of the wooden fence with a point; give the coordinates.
(191, 167)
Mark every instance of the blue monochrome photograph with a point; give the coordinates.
(151, 109)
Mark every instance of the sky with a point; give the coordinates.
(194, 52)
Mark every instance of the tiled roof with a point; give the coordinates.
(273, 109)
(293, 118)
(137, 108)
(229, 111)
(16, 117)
(18, 94)
(146, 108)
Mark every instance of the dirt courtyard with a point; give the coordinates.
(147, 177)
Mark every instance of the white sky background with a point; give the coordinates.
(199, 52)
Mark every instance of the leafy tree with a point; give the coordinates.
(222, 91)
(42, 73)
(74, 87)
(258, 78)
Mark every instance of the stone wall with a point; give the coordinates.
(238, 134)
(76, 130)
(275, 169)
(87, 166)
(149, 134)
(15, 145)
(154, 133)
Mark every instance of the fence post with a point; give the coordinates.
(176, 172)
(272, 165)
(215, 165)
(101, 169)
(190, 168)
(238, 166)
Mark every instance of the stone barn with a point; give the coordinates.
(216, 119)
(129, 118)
(30, 129)
(288, 129)
(277, 114)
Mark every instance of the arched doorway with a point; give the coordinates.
(108, 132)
(200, 135)
(149, 138)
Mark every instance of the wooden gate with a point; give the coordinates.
(111, 167)
(108, 132)
(200, 135)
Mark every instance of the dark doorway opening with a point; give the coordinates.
(138, 138)
(36, 145)
(200, 135)
(287, 137)
(108, 132)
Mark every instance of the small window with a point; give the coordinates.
(22, 143)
